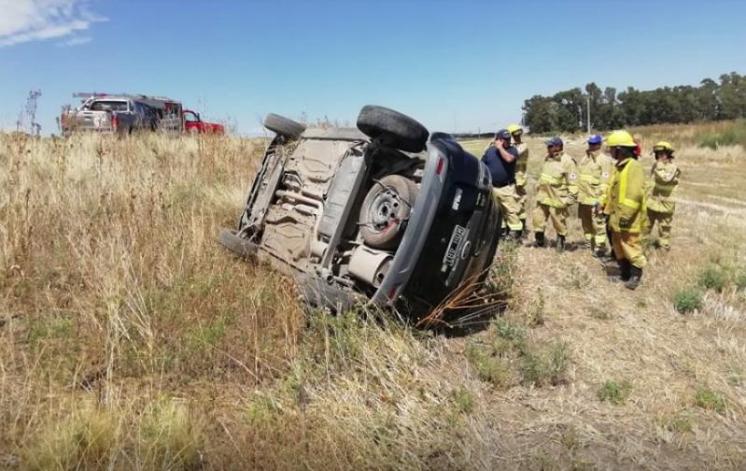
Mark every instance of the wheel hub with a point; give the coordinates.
(385, 209)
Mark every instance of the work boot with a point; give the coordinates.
(524, 231)
(560, 243)
(625, 269)
(600, 252)
(515, 235)
(616, 278)
(539, 239)
(634, 279)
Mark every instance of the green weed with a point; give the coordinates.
(687, 300)
(546, 367)
(740, 280)
(614, 392)
(714, 278)
(710, 400)
(489, 368)
(464, 400)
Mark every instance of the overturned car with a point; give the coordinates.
(385, 213)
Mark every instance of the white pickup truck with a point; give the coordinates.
(122, 114)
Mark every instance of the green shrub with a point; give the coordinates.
(687, 300)
(681, 423)
(714, 278)
(710, 400)
(732, 135)
(614, 392)
(489, 368)
(463, 399)
(740, 280)
(546, 367)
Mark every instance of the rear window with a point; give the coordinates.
(109, 106)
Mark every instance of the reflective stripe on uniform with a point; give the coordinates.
(549, 179)
(590, 179)
(623, 178)
(665, 186)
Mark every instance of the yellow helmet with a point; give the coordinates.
(663, 146)
(515, 128)
(620, 139)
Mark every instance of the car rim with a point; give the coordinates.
(384, 211)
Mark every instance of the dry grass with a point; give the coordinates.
(130, 340)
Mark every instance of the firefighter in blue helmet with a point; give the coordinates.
(594, 171)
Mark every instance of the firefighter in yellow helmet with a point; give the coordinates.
(555, 192)
(521, 170)
(625, 206)
(661, 205)
(594, 171)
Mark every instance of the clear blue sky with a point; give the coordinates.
(455, 66)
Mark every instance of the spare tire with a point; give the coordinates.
(385, 211)
(392, 128)
(283, 126)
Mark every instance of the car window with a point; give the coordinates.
(109, 105)
(191, 117)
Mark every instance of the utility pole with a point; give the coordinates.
(588, 112)
(27, 119)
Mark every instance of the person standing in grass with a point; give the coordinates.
(500, 159)
(661, 205)
(625, 206)
(593, 178)
(521, 171)
(555, 192)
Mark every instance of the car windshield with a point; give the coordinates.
(109, 106)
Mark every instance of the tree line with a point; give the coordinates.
(566, 111)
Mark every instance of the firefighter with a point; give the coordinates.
(500, 159)
(625, 206)
(521, 171)
(593, 178)
(661, 205)
(555, 192)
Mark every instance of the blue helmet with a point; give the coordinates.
(595, 139)
(503, 134)
(554, 141)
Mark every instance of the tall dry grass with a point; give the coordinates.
(130, 340)
(114, 290)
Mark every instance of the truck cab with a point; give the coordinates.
(193, 124)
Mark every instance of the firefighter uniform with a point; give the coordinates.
(625, 206)
(660, 203)
(556, 190)
(521, 178)
(594, 171)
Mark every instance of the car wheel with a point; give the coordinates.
(238, 245)
(284, 126)
(385, 211)
(392, 128)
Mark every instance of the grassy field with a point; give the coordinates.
(130, 340)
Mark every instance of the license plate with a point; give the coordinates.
(451, 256)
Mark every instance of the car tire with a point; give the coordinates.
(283, 126)
(385, 211)
(238, 245)
(392, 128)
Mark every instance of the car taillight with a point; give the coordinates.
(114, 122)
(441, 164)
